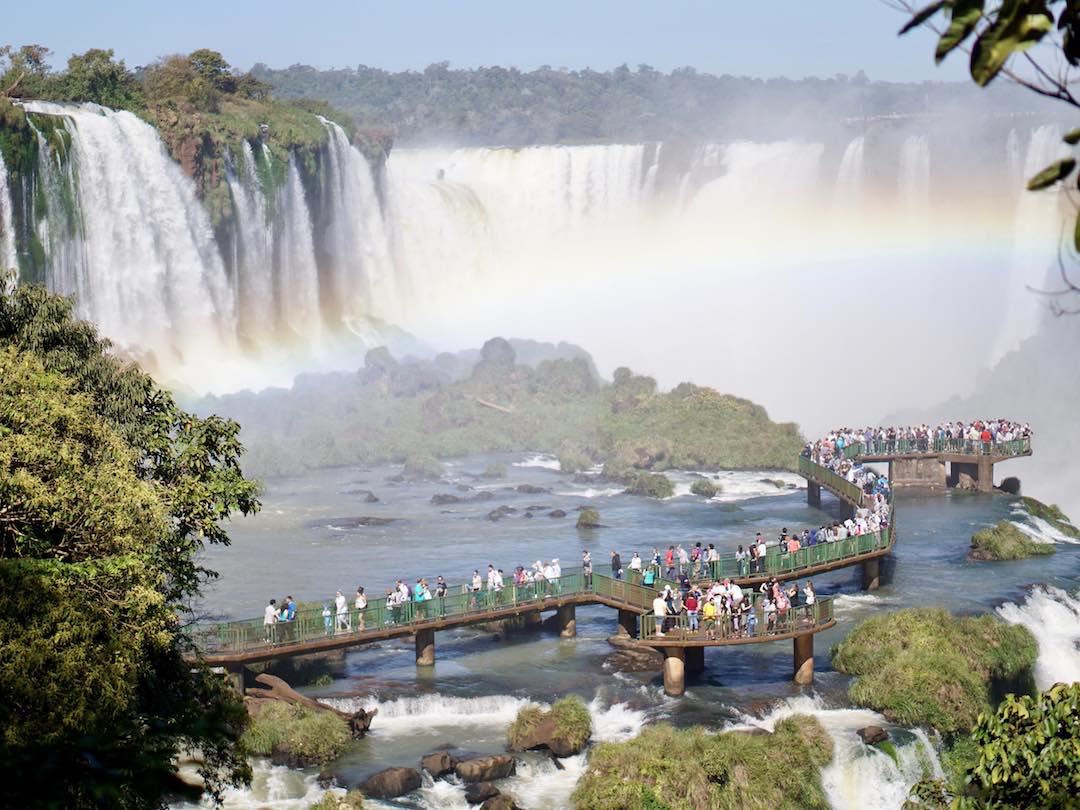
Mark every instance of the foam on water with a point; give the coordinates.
(846, 602)
(403, 715)
(543, 460)
(1042, 531)
(273, 787)
(1053, 617)
(859, 777)
(592, 492)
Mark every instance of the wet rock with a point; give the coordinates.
(442, 499)
(486, 769)
(532, 489)
(463, 488)
(557, 513)
(391, 783)
(1011, 485)
(633, 657)
(528, 515)
(438, 764)
(500, 802)
(872, 734)
(501, 512)
(480, 792)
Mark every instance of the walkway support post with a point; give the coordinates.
(804, 659)
(871, 574)
(425, 648)
(695, 660)
(813, 494)
(986, 475)
(627, 623)
(567, 621)
(674, 671)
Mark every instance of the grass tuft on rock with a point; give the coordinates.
(422, 468)
(573, 722)
(525, 724)
(565, 728)
(925, 667)
(651, 485)
(296, 734)
(352, 800)
(588, 518)
(705, 488)
(1006, 541)
(688, 769)
(495, 471)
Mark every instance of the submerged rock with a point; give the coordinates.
(501, 802)
(486, 769)
(872, 734)
(557, 513)
(532, 489)
(501, 512)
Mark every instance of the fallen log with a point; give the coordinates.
(276, 689)
(493, 406)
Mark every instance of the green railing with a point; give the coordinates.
(794, 619)
(967, 447)
(310, 624)
(830, 480)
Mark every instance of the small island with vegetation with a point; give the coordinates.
(1006, 541)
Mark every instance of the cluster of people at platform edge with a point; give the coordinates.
(725, 610)
(981, 435)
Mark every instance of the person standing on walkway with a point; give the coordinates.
(270, 617)
(660, 610)
(616, 565)
(361, 606)
(342, 613)
(586, 567)
(327, 618)
(440, 594)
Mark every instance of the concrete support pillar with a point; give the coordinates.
(871, 574)
(674, 671)
(533, 619)
(804, 659)
(813, 494)
(567, 621)
(628, 623)
(986, 475)
(425, 648)
(695, 660)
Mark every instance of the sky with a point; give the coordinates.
(788, 38)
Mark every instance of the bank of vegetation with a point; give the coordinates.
(390, 411)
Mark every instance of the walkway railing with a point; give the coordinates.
(966, 447)
(811, 470)
(753, 624)
(312, 623)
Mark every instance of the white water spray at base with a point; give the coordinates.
(1053, 617)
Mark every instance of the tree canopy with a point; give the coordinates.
(107, 493)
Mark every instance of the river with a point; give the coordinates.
(303, 544)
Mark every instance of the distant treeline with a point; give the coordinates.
(495, 105)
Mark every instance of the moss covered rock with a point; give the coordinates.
(588, 518)
(422, 468)
(1005, 541)
(706, 488)
(688, 769)
(332, 800)
(651, 485)
(926, 667)
(564, 729)
(296, 735)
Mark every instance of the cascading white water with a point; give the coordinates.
(297, 292)
(1053, 617)
(363, 282)
(861, 777)
(1037, 230)
(849, 177)
(148, 271)
(8, 259)
(913, 182)
(253, 283)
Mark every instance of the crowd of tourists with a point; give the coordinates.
(725, 610)
(980, 435)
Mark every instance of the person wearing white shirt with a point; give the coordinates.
(270, 617)
(342, 605)
(659, 607)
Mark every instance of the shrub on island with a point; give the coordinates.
(925, 667)
(706, 488)
(296, 735)
(564, 729)
(651, 485)
(351, 800)
(1006, 541)
(588, 518)
(690, 768)
(422, 468)
(495, 471)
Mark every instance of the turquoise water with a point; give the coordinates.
(299, 544)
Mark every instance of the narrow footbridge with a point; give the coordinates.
(233, 645)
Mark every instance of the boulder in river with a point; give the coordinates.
(557, 513)
(532, 489)
(589, 518)
(631, 656)
(564, 729)
(501, 512)
(438, 763)
(486, 769)
(501, 802)
(480, 792)
(391, 783)
(442, 499)
(872, 734)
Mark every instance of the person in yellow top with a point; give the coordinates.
(708, 616)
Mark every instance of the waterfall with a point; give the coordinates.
(145, 267)
(914, 177)
(8, 259)
(298, 282)
(1053, 617)
(849, 177)
(253, 284)
(1036, 237)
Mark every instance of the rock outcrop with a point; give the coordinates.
(872, 734)
(391, 783)
(438, 764)
(480, 792)
(486, 769)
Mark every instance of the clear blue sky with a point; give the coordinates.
(793, 38)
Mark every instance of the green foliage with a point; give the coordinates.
(108, 491)
(573, 722)
(1024, 754)
(691, 769)
(588, 518)
(331, 800)
(422, 468)
(94, 76)
(1005, 541)
(922, 666)
(495, 471)
(705, 488)
(302, 734)
(651, 485)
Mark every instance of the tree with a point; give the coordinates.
(23, 72)
(95, 76)
(997, 39)
(1028, 755)
(107, 493)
